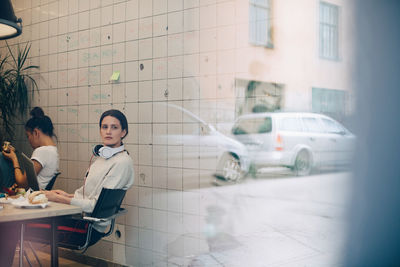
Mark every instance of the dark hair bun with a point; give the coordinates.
(37, 112)
(39, 121)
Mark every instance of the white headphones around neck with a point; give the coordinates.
(106, 151)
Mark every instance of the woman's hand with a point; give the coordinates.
(51, 196)
(20, 176)
(58, 191)
(10, 154)
(62, 193)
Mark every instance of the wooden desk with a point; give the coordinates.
(9, 213)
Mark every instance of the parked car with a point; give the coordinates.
(197, 144)
(299, 141)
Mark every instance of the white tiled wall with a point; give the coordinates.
(165, 51)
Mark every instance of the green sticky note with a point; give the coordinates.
(115, 76)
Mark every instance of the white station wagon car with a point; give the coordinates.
(300, 141)
(183, 140)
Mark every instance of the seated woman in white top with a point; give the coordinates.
(113, 168)
(40, 132)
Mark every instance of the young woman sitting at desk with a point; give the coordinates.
(112, 168)
(40, 132)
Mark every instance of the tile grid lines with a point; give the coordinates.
(100, 45)
(68, 104)
(139, 101)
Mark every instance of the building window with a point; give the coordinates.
(330, 102)
(260, 23)
(328, 31)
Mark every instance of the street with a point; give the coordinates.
(272, 220)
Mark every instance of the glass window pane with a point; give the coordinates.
(328, 31)
(259, 31)
(291, 124)
(331, 126)
(312, 125)
(262, 14)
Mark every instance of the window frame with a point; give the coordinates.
(325, 49)
(253, 29)
(331, 102)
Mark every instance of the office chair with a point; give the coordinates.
(107, 208)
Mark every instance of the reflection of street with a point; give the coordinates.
(287, 221)
(191, 143)
(282, 172)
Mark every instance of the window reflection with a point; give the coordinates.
(237, 113)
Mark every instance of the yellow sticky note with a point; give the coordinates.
(115, 76)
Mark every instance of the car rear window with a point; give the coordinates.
(253, 126)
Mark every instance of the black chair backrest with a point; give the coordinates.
(108, 203)
(50, 185)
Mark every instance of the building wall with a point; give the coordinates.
(185, 52)
(294, 61)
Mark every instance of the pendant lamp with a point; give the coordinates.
(10, 26)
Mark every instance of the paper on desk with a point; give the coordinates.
(25, 204)
(11, 200)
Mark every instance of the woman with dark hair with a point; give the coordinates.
(40, 132)
(113, 167)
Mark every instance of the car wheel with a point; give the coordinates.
(302, 164)
(230, 168)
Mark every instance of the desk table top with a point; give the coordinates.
(10, 213)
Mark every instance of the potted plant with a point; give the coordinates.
(15, 81)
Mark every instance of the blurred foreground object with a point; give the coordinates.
(374, 232)
(10, 26)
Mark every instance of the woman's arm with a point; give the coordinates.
(63, 193)
(20, 176)
(56, 197)
(38, 167)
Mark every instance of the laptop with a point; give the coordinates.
(27, 165)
